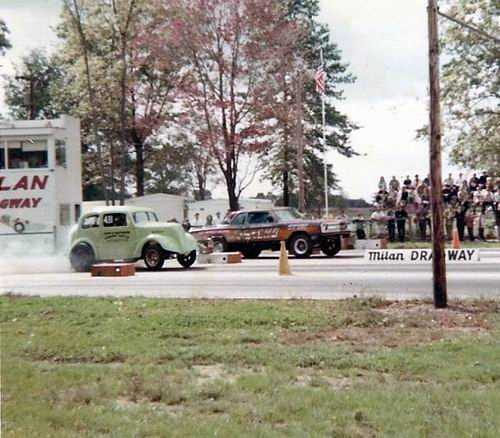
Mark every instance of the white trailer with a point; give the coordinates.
(40, 183)
(168, 207)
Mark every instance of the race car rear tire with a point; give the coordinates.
(330, 247)
(82, 258)
(153, 256)
(300, 246)
(187, 260)
(251, 253)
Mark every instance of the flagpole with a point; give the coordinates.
(325, 166)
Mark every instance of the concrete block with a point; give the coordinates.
(371, 244)
(225, 257)
(113, 270)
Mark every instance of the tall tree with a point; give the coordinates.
(168, 168)
(134, 95)
(4, 40)
(75, 21)
(231, 46)
(29, 91)
(471, 84)
(281, 159)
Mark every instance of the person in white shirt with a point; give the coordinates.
(449, 180)
(378, 219)
(196, 222)
(342, 217)
(218, 218)
(382, 185)
(460, 180)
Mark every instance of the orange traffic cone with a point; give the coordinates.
(455, 244)
(284, 268)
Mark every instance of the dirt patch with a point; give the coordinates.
(125, 404)
(335, 383)
(397, 324)
(208, 373)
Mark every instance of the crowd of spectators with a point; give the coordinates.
(468, 202)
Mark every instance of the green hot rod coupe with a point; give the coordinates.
(129, 234)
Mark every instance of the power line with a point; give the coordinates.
(470, 27)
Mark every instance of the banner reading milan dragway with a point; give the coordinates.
(400, 256)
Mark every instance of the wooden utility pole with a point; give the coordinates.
(438, 253)
(299, 133)
(29, 98)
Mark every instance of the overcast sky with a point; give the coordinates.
(385, 43)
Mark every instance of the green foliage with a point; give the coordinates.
(4, 41)
(31, 90)
(169, 168)
(281, 157)
(471, 85)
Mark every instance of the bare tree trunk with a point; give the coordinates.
(139, 167)
(231, 193)
(286, 188)
(299, 133)
(123, 94)
(77, 20)
(200, 177)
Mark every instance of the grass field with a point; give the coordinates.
(81, 367)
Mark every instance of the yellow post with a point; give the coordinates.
(284, 268)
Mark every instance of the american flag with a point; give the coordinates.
(320, 78)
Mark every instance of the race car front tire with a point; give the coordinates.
(301, 246)
(82, 258)
(187, 260)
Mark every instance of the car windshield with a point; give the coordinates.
(228, 219)
(288, 214)
(144, 216)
